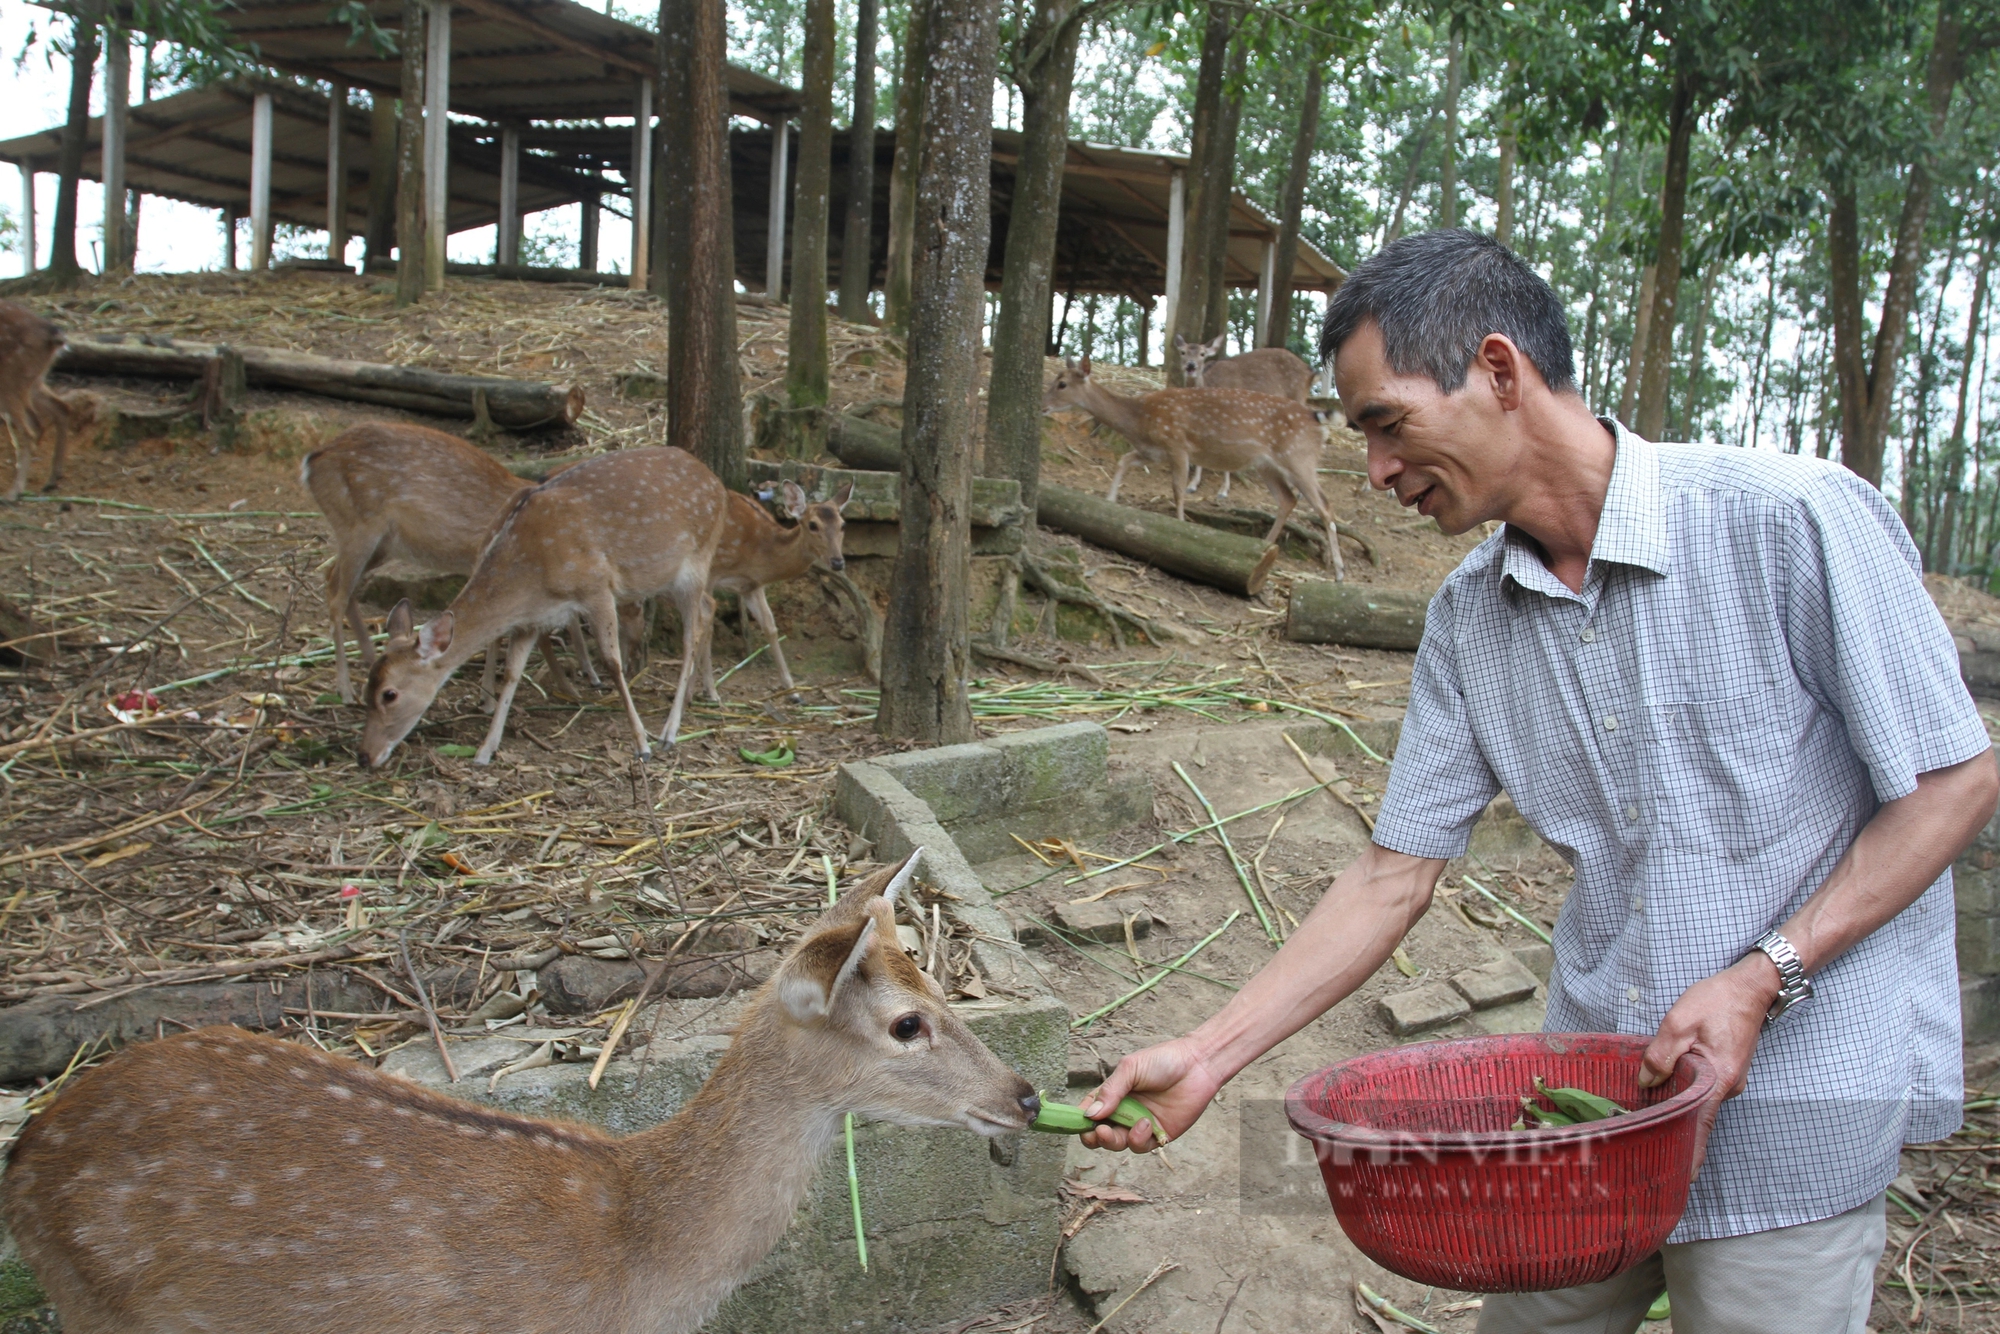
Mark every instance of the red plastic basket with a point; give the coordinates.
(1429, 1182)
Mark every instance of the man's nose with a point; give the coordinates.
(1383, 467)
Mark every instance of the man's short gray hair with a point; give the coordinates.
(1437, 295)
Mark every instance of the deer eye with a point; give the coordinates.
(388, 697)
(907, 1028)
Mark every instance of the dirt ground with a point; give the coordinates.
(223, 828)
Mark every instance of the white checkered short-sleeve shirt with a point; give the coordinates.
(1751, 667)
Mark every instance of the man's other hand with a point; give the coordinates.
(1720, 1018)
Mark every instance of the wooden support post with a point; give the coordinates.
(381, 177)
(774, 248)
(586, 236)
(336, 175)
(641, 181)
(27, 215)
(1176, 243)
(507, 244)
(117, 98)
(437, 152)
(230, 214)
(1267, 285)
(1145, 323)
(260, 182)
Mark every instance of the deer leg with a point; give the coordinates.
(489, 677)
(1223, 494)
(707, 667)
(517, 658)
(1181, 488)
(754, 603)
(21, 456)
(604, 622)
(559, 676)
(581, 646)
(1194, 483)
(341, 581)
(697, 625)
(61, 451)
(1118, 474)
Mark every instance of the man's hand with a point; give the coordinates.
(1719, 1017)
(1170, 1079)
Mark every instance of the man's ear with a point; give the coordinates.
(435, 639)
(1508, 367)
(401, 626)
(810, 979)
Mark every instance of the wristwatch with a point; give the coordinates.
(1794, 985)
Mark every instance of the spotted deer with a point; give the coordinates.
(236, 1184)
(397, 494)
(29, 346)
(613, 529)
(756, 551)
(1264, 370)
(1228, 429)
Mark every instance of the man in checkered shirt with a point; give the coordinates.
(1713, 680)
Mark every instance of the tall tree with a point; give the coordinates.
(63, 265)
(1291, 205)
(1656, 373)
(911, 96)
(704, 391)
(806, 352)
(926, 652)
(1211, 172)
(1042, 66)
(1453, 87)
(410, 160)
(857, 242)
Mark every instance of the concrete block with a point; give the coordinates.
(1979, 1009)
(1537, 959)
(1501, 982)
(1977, 887)
(1003, 774)
(1102, 920)
(1421, 1008)
(1523, 1016)
(1978, 946)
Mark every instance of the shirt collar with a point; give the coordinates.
(1631, 528)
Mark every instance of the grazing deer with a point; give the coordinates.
(1264, 370)
(756, 550)
(612, 529)
(29, 346)
(236, 1184)
(408, 495)
(1228, 429)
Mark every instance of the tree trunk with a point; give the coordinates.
(1205, 166)
(857, 263)
(926, 654)
(381, 234)
(1228, 561)
(1641, 318)
(1866, 392)
(410, 160)
(1697, 354)
(1292, 207)
(1223, 178)
(1657, 371)
(63, 266)
(1410, 177)
(1953, 466)
(1453, 81)
(1045, 69)
(704, 393)
(806, 351)
(1503, 194)
(1356, 615)
(910, 99)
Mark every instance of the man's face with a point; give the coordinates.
(1449, 456)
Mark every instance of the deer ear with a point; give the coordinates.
(1068, 364)
(809, 980)
(846, 494)
(434, 639)
(1180, 343)
(1083, 367)
(795, 499)
(1215, 344)
(401, 625)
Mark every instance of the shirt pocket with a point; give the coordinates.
(1722, 774)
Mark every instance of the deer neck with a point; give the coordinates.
(713, 1189)
(1114, 409)
(485, 609)
(786, 555)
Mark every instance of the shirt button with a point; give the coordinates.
(1588, 636)
(1610, 722)
(1631, 814)
(1638, 904)
(1631, 993)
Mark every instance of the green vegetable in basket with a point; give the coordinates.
(1578, 1105)
(1537, 1117)
(1061, 1118)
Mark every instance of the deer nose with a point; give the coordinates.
(838, 562)
(1031, 1105)
(361, 758)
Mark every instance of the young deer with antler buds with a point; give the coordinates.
(29, 409)
(398, 494)
(613, 529)
(235, 1184)
(1228, 429)
(1263, 370)
(757, 551)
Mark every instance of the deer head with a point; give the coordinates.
(874, 1029)
(1194, 356)
(404, 681)
(822, 520)
(1068, 390)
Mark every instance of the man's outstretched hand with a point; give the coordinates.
(1169, 1079)
(1720, 1018)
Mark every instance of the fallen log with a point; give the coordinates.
(1299, 540)
(516, 404)
(864, 444)
(583, 984)
(1226, 561)
(1356, 615)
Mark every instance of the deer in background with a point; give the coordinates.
(1264, 370)
(29, 346)
(394, 493)
(237, 1184)
(756, 551)
(613, 529)
(1231, 430)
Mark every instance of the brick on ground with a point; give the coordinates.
(1102, 921)
(1432, 1005)
(1501, 982)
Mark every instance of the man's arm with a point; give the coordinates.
(1897, 856)
(1350, 933)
